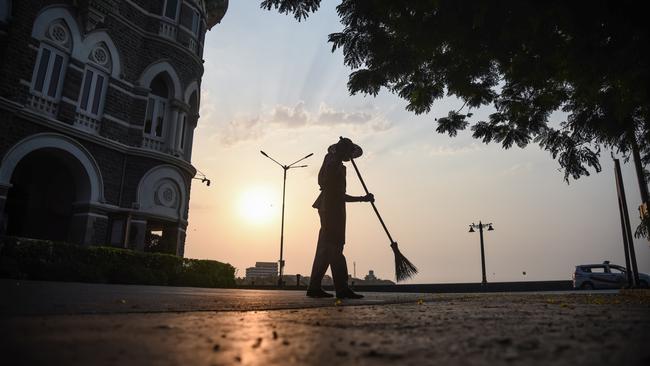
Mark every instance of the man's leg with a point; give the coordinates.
(340, 273)
(321, 262)
(339, 268)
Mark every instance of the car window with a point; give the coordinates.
(598, 269)
(617, 270)
(585, 269)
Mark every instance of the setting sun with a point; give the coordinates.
(256, 204)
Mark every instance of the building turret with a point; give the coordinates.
(99, 100)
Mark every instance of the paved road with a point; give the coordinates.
(49, 298)
(450, 329)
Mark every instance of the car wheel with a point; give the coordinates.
(587, 286)
(643, 284)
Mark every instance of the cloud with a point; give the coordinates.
(289, 117)
(446, 150)
(207, 109)
(518, 169)
(327, 115)
(286, 117)
(450, 150)
(240, 130)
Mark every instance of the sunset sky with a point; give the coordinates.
(272, 84)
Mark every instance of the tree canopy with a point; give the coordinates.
(526, 59)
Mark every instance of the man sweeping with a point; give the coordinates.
(331, 209)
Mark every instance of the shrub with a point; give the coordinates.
(33, 259)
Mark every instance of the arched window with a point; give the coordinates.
(163, 105)
(50, 67)
(169, 19)
(157, 107)
(195, 27)
(95, 81)
(171, 9)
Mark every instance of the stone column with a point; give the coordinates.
(174, 237)
(116, 232)
(192, 121)
(85, 228)
(135, 233)
(179, 132)
(180, 248)
(171, 130)
(178, 108)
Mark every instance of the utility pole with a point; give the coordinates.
(628, 239)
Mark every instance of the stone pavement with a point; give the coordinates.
(476, 329)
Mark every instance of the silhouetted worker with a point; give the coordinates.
(331, 209)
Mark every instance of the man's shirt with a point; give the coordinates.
(331, 179)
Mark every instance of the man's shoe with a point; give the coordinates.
(318, 294)
(349, 294)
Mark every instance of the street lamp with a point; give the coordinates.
(480, 227)
(284, 185)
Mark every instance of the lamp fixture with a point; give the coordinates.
(200, 176)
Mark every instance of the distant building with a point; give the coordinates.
(99, 100)
(370, 279)
(370, 276)
(262, 269)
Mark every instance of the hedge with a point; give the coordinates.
(33, 259)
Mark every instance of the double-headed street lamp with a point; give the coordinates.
(284, 185)
(480, 227)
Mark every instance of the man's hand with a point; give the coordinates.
(369, 198)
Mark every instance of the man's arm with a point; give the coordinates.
(367, 198)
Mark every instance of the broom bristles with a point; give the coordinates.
(404, 269)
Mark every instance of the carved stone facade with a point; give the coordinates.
(99, 100)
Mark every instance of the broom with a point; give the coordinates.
(404, 269)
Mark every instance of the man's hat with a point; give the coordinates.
(346, 145)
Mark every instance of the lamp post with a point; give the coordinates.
(284, 185)
(480, 227)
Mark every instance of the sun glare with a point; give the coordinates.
(256, 205)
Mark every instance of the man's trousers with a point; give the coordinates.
(329, 253)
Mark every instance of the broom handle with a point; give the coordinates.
(372, 203)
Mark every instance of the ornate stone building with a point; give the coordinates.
(99, 100)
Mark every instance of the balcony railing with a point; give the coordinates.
(43, 105)
(152, 143)
(86, 123)
(192, 45)
(168, 29)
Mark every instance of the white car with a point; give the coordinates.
(604, 276)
